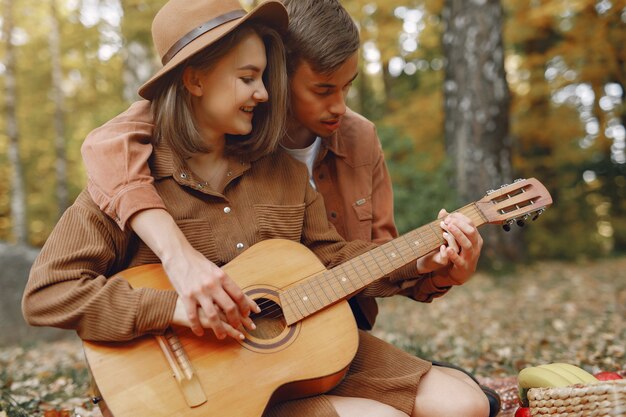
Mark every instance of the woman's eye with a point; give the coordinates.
(247, 80)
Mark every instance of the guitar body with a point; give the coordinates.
(276, 362)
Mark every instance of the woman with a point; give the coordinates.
(216, 169)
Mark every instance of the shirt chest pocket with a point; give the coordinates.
(363, 213)
(197, 232)
(279, 221)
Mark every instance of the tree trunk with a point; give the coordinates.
(139, 62)
(18, 193)
(59, 111)
(477, 106)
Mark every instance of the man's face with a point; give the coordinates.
(318, 101)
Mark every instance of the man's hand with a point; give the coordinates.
(455, 262)
(464, 256)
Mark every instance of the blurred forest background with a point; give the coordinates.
(467, 95)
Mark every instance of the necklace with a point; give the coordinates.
(216, 173)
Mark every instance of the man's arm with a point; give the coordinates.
(116, 159)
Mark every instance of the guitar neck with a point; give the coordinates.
(322, 290)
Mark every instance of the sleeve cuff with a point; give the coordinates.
(407, 272)
(156, 309)
(426, 291)
(134, 199)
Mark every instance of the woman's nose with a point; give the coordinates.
(261, 95)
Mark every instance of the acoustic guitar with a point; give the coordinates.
(306, 335)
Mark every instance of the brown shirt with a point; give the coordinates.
(350, 172)
(70, 284)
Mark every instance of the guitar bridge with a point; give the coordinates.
(184, 374)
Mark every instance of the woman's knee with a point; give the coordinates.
(443, 395)
(362, 407)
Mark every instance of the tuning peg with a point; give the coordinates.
(538, 213)
(519, 180)
(507, 226)
(491, 192)
(522, 222)
(504, 185)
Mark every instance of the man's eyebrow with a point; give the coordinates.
(328, 85)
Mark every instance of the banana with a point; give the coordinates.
(584, 376)
(538, 377)
(570, 376)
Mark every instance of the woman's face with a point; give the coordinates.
(225, 96)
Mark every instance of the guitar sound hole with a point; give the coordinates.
(270, 322)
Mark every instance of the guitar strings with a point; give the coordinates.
(322, 280)
(324, 285)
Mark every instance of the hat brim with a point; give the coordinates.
(271, 12)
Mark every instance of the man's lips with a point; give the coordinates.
(332, 124)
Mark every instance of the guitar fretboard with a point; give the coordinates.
(322, 290)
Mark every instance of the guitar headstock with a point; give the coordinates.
(515, 203)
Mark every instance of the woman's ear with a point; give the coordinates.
(192, 81)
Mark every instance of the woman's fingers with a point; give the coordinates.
(191, 308)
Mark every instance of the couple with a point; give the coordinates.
(208, 166)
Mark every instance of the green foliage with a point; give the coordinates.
(93, 94)
(554, 48)
(419, 192)
(562, 55)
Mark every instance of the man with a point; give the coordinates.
(339, 147)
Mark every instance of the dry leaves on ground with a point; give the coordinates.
(493, 326)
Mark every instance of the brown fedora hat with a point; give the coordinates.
(183, 27)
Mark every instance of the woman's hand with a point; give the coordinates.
(211, 299)
(181, 318)
(455, 262)
(201, 285)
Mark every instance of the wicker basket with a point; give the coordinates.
(598, 400)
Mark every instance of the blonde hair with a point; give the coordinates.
(172, 110)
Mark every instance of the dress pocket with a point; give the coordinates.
(279, 221)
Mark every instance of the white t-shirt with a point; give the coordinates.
(307, 156)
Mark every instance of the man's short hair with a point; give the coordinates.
(322, 33)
